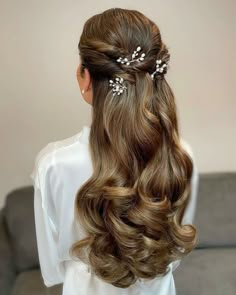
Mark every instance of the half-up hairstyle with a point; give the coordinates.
(133, 204)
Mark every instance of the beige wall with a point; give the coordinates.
(40, 101)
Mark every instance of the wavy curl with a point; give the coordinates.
(133, 204)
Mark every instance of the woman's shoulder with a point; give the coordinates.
(51, 148)
(73, 148)
(186, 145)
(51, 152)
(41, 158)
(188, 148)
(79, 138)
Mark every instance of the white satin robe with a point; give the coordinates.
(60, 168)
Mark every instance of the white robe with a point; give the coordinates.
(60, 168)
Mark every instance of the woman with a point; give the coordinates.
(114, 204)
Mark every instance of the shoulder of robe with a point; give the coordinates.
(45, 155)
(187, 147)
(42, 160)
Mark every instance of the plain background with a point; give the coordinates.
(40, 101)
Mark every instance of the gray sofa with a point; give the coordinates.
(209, 269)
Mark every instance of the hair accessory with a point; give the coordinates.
(158, 68)
(135, 53)
(117, 85)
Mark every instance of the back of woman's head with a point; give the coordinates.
(133, 204)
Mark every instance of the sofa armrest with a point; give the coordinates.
(7, 266)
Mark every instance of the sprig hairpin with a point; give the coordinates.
(135, 53)
(118, 86)
(158, 68)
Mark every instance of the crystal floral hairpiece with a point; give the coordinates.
(117, 85)
(158, 68)
(135, 53)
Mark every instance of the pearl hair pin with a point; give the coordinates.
(117, 85)
(135, 53)
(158, 68)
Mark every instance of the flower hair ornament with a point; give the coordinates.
(135, 53)
(118, 86)
(159, 68)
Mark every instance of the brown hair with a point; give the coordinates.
(133, 204)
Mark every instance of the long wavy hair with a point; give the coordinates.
(133, 204)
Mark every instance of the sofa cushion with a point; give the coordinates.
(215, 216)
(30, 282)
(7, 267)
(207, 271)
(21, 227)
